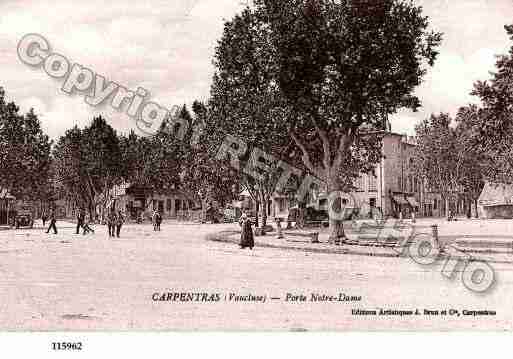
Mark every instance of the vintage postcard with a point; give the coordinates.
(264, 165)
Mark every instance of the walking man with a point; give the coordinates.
(158, 220)
(119, 223)
(53, 221)
(80, 219)
(111, 223)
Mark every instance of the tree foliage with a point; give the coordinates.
(24, 153)
(329, 72)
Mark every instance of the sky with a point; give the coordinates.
(166, 47)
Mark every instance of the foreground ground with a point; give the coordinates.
(72, 282)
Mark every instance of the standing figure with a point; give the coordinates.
(44, 218)
(246, 234)
(154, 220)
(111, 223)
(86, 226)
(158, 220)
(119, 222)
(53, 222)
(80, 219)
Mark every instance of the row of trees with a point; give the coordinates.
(89, 162)
(84, 165)
(459, 154)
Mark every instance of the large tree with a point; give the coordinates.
(439, 158)
(494, 120)
(339, 66)
(88, 164)
(202, 175)
(477, 163)
(24, 153)
(246, 100)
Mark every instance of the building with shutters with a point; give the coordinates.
(393, 188)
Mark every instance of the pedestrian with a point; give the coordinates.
(86, 226)
(246, 234)
(158, 220)
(44, 218)
(53, 222)
(119, 222)
(80, 219)
(111, 223)
(154, 220)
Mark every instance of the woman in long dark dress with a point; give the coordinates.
(246, 234)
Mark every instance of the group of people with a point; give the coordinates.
(156, 220)
(114, 222)
(83, 222)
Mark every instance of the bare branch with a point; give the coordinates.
(306, 156)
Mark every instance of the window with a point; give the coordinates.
(177, 204)
(168, 205)
(372, 203)
(360, 184)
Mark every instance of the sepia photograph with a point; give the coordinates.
(256, 166)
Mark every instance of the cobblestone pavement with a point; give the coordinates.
(76, 282)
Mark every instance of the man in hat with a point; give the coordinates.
(53, 222)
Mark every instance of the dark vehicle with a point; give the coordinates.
(24, 218)
(213, 215)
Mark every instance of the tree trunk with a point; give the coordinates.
(476, 213)
(204, 203)
(447, 207)
(263, 209)
(257, 209)
(301, 211)
(336, 223)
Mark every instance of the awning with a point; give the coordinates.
(400, 200)
(413, 202)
